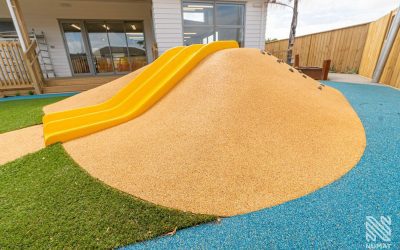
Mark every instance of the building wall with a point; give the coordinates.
(255, 25)
(43, 15)
(167, 16)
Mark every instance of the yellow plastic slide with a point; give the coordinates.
(137, 97)
(149, 71)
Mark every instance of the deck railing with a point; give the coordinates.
(13, 69)
(18, 69)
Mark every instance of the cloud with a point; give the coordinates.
(316, 15)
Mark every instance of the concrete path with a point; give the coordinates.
(20, 142)
(333, 217)
(353, 78)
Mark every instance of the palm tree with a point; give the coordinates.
(293, 26)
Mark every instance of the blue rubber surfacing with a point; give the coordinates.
(41, 96)
(333, 217)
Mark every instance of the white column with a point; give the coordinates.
(16, 24)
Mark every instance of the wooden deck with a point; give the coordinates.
(76, 84)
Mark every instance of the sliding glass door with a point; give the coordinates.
(77, 51)
(99, 46)
(118, 46)
(136, 45)
(110, 47)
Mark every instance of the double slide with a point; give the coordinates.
(134, 99)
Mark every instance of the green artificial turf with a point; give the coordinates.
(23, 113)
(48, 201)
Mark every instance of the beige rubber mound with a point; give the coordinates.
(18, 143)
(239, 133)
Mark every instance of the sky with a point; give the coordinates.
(321, 15)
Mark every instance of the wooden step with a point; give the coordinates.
(63, 81)
(69, 88)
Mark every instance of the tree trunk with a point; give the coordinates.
(292, 34)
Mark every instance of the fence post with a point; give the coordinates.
(296, 61)
(325, 69)
(387, 47)
(30, 57)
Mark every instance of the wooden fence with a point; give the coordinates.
(354, 49)
(377, 34)
(13, 69)
(343, 46)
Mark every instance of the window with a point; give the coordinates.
(205, 22)
(104, 47)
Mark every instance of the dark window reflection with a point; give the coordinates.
(7, 27)
(229, 14)
(230, 34)
(198, 35)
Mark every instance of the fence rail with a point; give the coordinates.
(13, 69)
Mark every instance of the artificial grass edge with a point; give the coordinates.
(19, 114)
(73, 209)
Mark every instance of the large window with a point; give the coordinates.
(205, 22)
(105, 47)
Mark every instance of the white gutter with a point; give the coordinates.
(16, 25)
(387, 47)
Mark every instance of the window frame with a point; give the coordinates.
(214, 26)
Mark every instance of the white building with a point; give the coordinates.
(104, 37)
